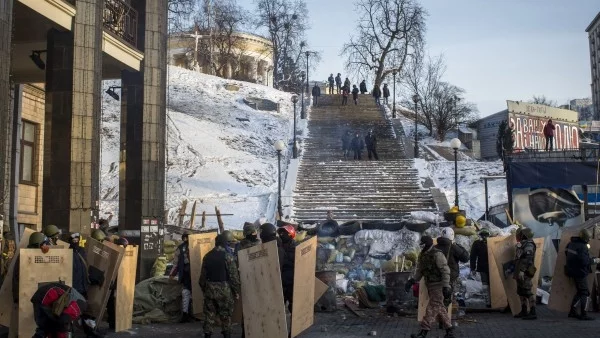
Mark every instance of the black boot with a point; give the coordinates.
(523, 312)
(226, 334)
(207, 334)
(185, 317)
(421, 334)
(583, 305)
(531, 315)
(450, 333)
(573, 313)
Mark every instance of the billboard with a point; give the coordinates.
(528, 121)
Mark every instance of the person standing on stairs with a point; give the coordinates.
(371, 142)
(316, 92)
(355, 95)
(346, 140)
(347, 83)
(357, 145)
(345, 94)
(338, 83)
(363, 87)
(377, 95)
(386, 93)
(330, 80)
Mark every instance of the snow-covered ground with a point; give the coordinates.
(213, 157)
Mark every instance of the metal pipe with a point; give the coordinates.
(456, 177)
(487, 207)
(16, 163)
(416, 136)
(394, 98)
(307, 86)
(279, 207)
(294, 150)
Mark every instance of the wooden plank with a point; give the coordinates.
(262, 294)
(353, 307)
(126, 289)
(6, 298)
(498, 296)
(62, 244)
(504, 252)
(563, 287)
(199, 246)
(304, 284)
(193, 217)
(105, 257)
(320, 289)
(424, 301)
(35, 268)
(219, 220)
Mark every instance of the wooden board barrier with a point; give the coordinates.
(424, 301)
(105, 257)
(35, 268)
(126, 289)
(497, 294)
(320, 289)
(304, 284)
(262, 294)
(563, 287)
(504, 252)
(6, 298)
(199, 246)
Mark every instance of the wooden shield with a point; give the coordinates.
(6, 299)
(563, 287)
(36, 268)
(424, 301)
(303, 307)
(262, 294)
(105, 257)
(504, 252)
(126, 289)
(199, 246)
(320, 289)
(497, 294)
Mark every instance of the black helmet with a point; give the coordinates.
(526, 233)
(220, 241)
(268, 232)
(249, 229)
(229, 236)
(185, 236)
(585, 235)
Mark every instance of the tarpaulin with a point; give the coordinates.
(551, 174)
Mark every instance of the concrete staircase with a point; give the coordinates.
(384, 190)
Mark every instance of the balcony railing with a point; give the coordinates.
(583, 154)
(121, 20)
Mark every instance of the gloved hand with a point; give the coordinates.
(409, 284)
(447, 292)
(521, 275)
(596, 260)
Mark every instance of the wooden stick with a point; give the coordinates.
(193, 218)
(508, 216)
(396, 264)
(203, 220)
(182, 212)
(219, 220)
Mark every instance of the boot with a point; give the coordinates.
(450, 333)
(584, 315)
(207, 334)
(226, 334)
(531, 315)
(573, 313)
(523, 312)
(185, 317)
(421, 334)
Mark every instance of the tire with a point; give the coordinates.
(328, 229)
(349, 228)
(419, 227)
(383, 226)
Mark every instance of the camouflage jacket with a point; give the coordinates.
(525, 257)
(220, 266)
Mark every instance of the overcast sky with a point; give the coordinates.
(495, 49)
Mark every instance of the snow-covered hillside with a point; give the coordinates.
(220, 151)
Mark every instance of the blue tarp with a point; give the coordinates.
(552, 174)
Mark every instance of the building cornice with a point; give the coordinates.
(594, 22)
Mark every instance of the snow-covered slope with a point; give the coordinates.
(213, 157)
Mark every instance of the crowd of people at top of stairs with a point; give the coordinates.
(343, 88)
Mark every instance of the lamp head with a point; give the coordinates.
(455, 143)
(416, 98)
(37, 59)
(279, 145)
(295, 98)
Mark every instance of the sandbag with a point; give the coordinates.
(159, 268)
(157, 300)
(465, 231)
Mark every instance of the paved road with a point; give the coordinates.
(345, 324)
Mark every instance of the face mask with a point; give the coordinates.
(251, 237)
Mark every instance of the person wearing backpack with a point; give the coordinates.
(345, 94)
(377, 95)
(316, 92)
(355, 94)
(578, 266)
(363, 87)
(386, 93)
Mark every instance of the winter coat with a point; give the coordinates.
(346, 140)
(479, 256)
(357, 144)
(338, 80)
(549, 129)
(386, 91)
(432, 263)
(181, 261)
(363, 87)
(371, 141)
(80, 270)
(454, 253)
(376, 92)
(525, 258)
(331, 80)
(347, 84)
(316, 91)
(287, 268)
(579, 262)
(355, 92)
(345, 91)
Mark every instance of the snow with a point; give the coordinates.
(213, 158)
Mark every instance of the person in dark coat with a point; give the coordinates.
(347, 83)
(287, 233)
(578, 267)
(355, 94)
(357, 145)
(346, 140)
(345, 94)
(479, 263)
(549, 135)
(80, 272)
(371, 142)
(338, 83)
(331, 81)
(363, 87)
(454, 253)
(182, 269)
(377, 95)
(386, 93)
(316, 92)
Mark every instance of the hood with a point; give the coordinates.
(445, 242)
(578, 239)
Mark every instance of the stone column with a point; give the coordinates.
(5, 104)
(72, 137)
(254, 69)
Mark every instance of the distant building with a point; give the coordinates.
(246, 57)
(584, 107)
(594, 35)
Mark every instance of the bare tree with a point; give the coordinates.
(180, 14)
(389, 33)
(286, 22)
(451, 109)
(542, 99)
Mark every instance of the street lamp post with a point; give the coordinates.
(394, 98)
(307, 53)
(455, 144)
(279, 146)
(294, 147)
(416, 99)
(302, 96)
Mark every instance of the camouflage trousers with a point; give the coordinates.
(435, 310)
(524, 287)
(218, 303)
